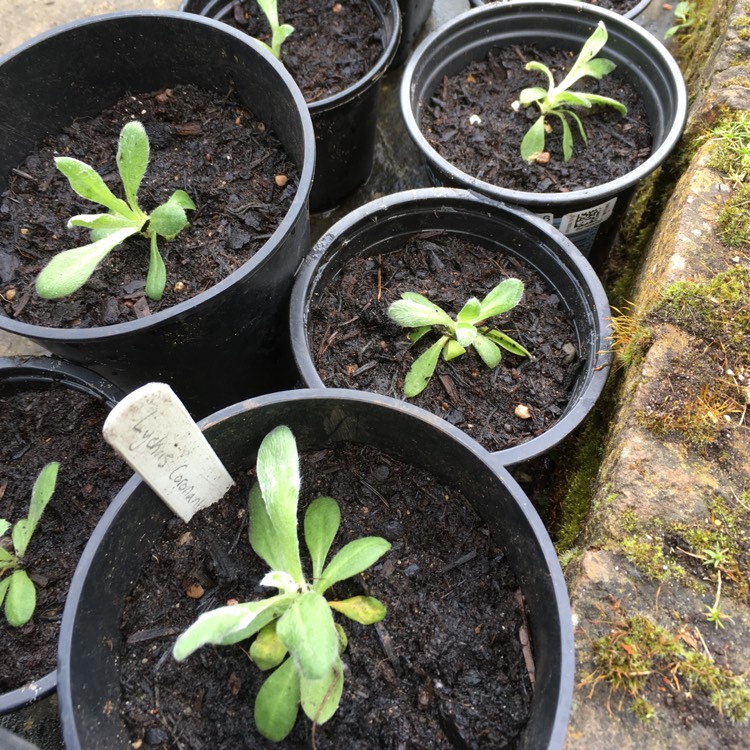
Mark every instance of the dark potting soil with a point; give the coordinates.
(444, 669)
(333, 45)
(490, 149)
(354, 344)
(204, 143)
(43, 424)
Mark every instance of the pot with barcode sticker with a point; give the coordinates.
(560, 107)
(388, 301)
(459, 586)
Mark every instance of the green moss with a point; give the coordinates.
(743, 34)
(646, 552)
(715, 310)
(637, 656)
(741, 80)
(731, 144)
(734, 220)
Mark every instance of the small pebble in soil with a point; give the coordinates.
(522, 411)
(281, 180)
(179, 287)
(569, 351)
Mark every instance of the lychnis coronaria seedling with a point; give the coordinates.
(295, 633)
(416, 311)
(555, 99)
(71, 269)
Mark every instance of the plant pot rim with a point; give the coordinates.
(41, 369)
(636, 10)
(584, 13)
(263, 254)
(355, 89)
(564, 640)
(440, 196)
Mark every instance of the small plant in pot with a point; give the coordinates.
(296, 633)
(458, 105)
(223, 154)
(480, 313)
(53, 414)
(354, 447)
(362, 37)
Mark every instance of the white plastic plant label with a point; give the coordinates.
(153, 431)
(579, 221)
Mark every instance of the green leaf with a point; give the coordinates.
(281, 34)
(488, 351)
(541, 68)
(279, 480)
(181, 198)
(7, 559)
(270, 10)
(277, 702)
(156, 278)
(106, 223)
(321, 698)
(415, 310)
(267, 650)
(227, 625)
(307, 630)
(351, 559)
(20, 599)
(168, 220)
(4, 585)
(506, 342)
(605, 100)
(470, 312)
(567, 137)
(505, 296)
(574, 98)
(466, 333)
(365, 610)
(589, 50)
(4, 526)
(322, 521)
(132, 159)
(418, 333)
(598, 68)
(531, 95)
(41, 494)
(452, 350)
(533, 142)
(71, 269)
(422, 369)
(88, 184)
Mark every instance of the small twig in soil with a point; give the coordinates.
(457, 563)
(364, 368)
(23, 174)
(375, 492)
(523, 636)
(387, 643)
(150, 634)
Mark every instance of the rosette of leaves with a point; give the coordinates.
(296, 635)
(555, 99)
(71, 269)
(414, 310)
(17, 590)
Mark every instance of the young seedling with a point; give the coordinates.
(713, 611)
(279, 32)
(416, 311)
(684, 15)
(551, 101)
(17, 591)
(71, 269)
(296, 633)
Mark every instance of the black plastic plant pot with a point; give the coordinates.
(89, 691)
(40, 372)
(345, 122)
(228, 342)
(589, 217)
(637, 6)
(414, 15)
(387, 224)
